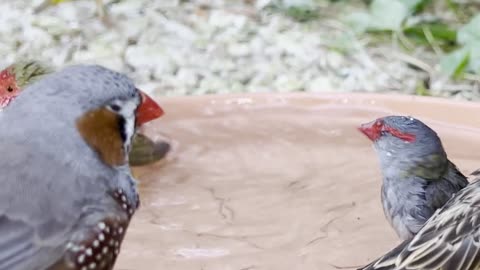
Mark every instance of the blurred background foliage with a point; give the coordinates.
(194, 47)
(451, 29)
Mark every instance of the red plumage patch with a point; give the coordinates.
(8, 87)
(408, 137)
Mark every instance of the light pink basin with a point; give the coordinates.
(276, 181)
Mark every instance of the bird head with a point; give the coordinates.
(17, 76)
(8, 87)
(406, 146)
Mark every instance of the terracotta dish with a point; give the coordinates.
(274, 181)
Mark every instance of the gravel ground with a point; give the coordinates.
(217, 46)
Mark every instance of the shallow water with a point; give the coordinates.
(275, 182)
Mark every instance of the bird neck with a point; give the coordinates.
(430, 167)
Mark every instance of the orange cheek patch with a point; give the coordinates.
(100, 129)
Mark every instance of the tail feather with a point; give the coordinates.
(387, 261)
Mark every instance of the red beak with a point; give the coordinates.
(148, 110)
(370, 130)
(5, 101)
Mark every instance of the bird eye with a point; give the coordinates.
(115, 107)
(10, 89)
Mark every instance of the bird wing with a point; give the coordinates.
(450, 240)
(35, 220)
(22, 248)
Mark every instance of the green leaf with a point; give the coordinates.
(421, 90)
(302, 14)
(454, 63)
(474, 61)
(411, 4)
(415, 6)
(470, 32)
(387, 14)
(440, 32)
(443, 32)
(358, 21)
(56, 2)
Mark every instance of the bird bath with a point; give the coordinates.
(275, 181)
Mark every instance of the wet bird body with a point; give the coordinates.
(63, 203)
(417, 176)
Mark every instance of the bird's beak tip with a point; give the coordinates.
(367, 130)
(148, 110)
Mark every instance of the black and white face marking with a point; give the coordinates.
(126, 111)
